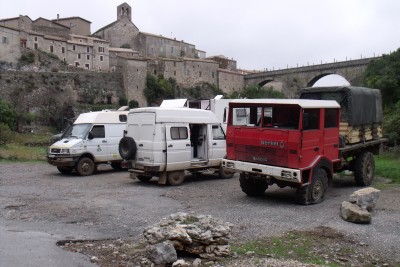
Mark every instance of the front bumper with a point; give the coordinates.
(279, 173)
(62, 160)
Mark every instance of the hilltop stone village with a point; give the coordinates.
(119, 47)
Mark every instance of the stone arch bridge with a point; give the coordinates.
(289, 81)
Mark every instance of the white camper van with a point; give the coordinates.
(92, 139)
(165, 142)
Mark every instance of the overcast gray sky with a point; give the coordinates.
(259, 34)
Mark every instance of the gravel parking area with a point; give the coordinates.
(110, 205)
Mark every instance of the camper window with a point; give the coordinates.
(179, 133)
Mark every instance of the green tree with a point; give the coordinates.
(8, 116)
(255, 91)
(384, 74)
(158, 88)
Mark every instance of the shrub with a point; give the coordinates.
(5, 134)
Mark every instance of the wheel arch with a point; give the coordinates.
(323, 163)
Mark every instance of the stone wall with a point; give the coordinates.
(229, 81)
(49, 93)
(9, 45)
(134, 79)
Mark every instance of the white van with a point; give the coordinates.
(165, 142)
(92, 139)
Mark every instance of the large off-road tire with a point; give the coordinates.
(364, 168)
(252, 187)
(127, 148)
(143, 178)
(175, 178)
(65, 169)
(225, 174)
(313, 193)
(85, 166)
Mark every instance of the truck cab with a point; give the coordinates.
(283, 142)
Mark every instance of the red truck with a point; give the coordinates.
(301, 143)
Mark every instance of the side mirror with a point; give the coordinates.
(90, 136)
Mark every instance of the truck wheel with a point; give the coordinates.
(65, 169)
(127, 148)
(252, 187)
(85, 166)
(313, 193)
(364, 168)
(175, 178)
(143, 178)
(225, 174)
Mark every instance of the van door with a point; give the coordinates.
(178, 147)
(311, 137)
(218, 144)
(114, 133)
(98, 145)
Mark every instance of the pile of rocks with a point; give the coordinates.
(202, 235)
(361, 203)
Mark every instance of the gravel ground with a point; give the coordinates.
(110, 205)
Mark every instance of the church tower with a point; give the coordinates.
(124, 11)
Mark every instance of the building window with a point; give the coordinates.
(88, 57)
(212, 74)
(87, 66)
(174, 63)
(76, 64)
(174, 72)
(79, 56)
(73, 47)
(80, 40)
(88, 49)
(172, 50)
(101, 49)
(200, 74)
(101, 58)
(5, 40)
(63, 50)
(36, 46)
(51, 49)
(155, 72)
(35, 38)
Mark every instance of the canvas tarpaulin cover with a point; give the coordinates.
(359, 105)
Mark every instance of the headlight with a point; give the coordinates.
(64, 151)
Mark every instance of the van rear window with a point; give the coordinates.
(179, 133)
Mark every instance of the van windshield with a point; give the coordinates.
(78, 131)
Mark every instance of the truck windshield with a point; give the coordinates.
(79, 131)
(265, 116)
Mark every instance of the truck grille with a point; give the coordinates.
(262, 155)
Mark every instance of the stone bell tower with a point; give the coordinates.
(124, 11)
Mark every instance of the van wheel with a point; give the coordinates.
(252, 187)
(85, 166)
(65, 169)
(143, 178)
(175, 178)
(127, 148)
(364, 168)
(314, 193)
(225, 174)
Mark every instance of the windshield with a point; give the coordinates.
(79, 131)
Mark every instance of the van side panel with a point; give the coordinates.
(113, 135)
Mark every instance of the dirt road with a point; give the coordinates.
(110, 205)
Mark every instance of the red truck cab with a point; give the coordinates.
(289, 142)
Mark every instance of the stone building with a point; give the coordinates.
(119, 46)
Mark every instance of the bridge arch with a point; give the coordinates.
(335, 78)
(264, 82)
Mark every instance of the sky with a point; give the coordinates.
(258, 34)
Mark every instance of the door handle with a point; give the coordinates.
(214, 144)
(170, 145)
(335, 145)
(104, 141)
(316, 148)
(140, 145)
(187, 144)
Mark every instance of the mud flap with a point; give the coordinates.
(163, 178)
